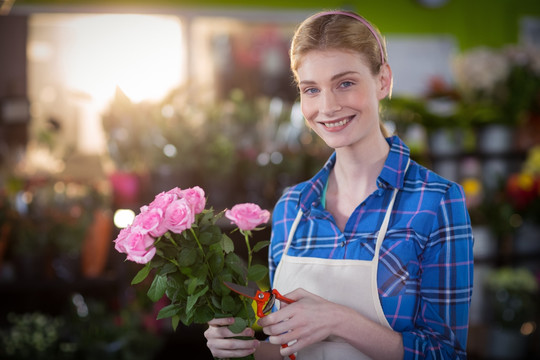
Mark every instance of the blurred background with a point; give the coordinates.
(103, 104)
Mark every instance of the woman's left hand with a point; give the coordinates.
(308, 320)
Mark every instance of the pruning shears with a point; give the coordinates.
(265, 300)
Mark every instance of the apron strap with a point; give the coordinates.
(293, 230)
(380, 236)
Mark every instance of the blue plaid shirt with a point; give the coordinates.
(425, 273)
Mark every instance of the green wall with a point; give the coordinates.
(472, 22)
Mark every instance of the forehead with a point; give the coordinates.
(321, 64)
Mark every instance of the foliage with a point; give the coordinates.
(514, 292)
(490, 86)
(189, 257)
(498, 85)
(91, 332)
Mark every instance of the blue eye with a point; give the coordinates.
(346, 84)
(311, 91)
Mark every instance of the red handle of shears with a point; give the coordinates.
(265, 298)
(292, 356)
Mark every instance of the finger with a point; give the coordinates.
(278, 329)
(222, 348)
(279, 316)
(224, 332)
(291, 348)
(297, 294)
(221, 321)
(232, 348)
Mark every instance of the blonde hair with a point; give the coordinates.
(339, 30)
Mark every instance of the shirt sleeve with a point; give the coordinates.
(446, 262)
(279, 230)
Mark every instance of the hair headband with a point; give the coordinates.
(359, 18)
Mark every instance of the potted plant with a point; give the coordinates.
(513, 293)
(498, 89)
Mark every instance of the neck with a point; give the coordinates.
(354, 178)
(358, 168)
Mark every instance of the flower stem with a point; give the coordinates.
(202, 251)
(169, 236)
(250, 253)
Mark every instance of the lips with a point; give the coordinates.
(334, 125)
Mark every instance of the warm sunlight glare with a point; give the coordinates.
(139, 53)
(123, 218)
(76, 62)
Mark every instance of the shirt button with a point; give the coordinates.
(342, 244)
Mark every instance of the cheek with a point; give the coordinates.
(309, 108)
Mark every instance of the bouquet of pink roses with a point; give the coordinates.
(190, 257)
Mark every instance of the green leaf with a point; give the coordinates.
(192, 299)
(167, 269)
(217, 284)
(257, 272)
(158, 287)
(168, 311)
(173, 294)
(192, 284)
(207, 217)
(216, 260)
(235, 263)
(186, 318)
(176, 280)
(227, 244)
(228, 304)
(216, 302)
(260, 245)
(142, 274)
(200, 272)
(187, 257)
(174, 321)
(210, 235)
(203, 315)
(238, 326)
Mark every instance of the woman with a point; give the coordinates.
(375, 249)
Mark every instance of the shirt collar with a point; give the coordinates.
(391, 176)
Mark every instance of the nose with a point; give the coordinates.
(329, 103)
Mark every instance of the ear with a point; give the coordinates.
(385, 82)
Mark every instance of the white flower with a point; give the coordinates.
(480, 70)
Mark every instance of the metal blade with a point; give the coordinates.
(242, 290)
(270, 304)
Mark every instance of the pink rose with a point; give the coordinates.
(163, 200)
(136, 243)
(175, 191)
(247, 216)
(151, 220)
(195, 198)
(179, 216)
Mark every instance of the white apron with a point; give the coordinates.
(352, 283)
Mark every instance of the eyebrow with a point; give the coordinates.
(337, 76)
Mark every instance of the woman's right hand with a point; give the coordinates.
(222, 343)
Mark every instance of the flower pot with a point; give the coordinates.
(527, 239)
(506, 344)
(446, 141)
(96, 245)
(126, 188)
(485, 242)
(495, 139)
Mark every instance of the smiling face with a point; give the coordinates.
(340, 96)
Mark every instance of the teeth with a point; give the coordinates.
(335, 124)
